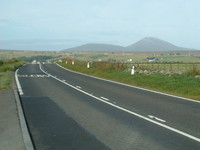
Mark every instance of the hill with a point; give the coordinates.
(146, 44)
(153, 44)
(96, 47)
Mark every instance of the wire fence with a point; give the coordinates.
(148, 68)
(179, 68)
(168, 66)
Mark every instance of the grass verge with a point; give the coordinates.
(5, 81)
(179, 85)
(6, 67)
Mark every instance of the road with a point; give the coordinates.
(67, 110)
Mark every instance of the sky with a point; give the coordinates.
(61, 24)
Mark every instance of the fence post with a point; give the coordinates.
(88, 65)
(133, 70)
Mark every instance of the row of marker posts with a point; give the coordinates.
(88, 66)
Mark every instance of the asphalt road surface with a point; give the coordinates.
(67, 110)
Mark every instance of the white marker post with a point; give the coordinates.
(72, 62)
(88, 65)
(66, 62)
(133, 70)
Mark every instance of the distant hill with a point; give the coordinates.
(146, 44)
(96, 47)
(153, 44)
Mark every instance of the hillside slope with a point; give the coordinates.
(153, 44)
(96, 47)
(146, 44)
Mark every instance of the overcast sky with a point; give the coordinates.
(61, 24)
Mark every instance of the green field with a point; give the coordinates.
(185, 85)
(177, 56)
(135, 57)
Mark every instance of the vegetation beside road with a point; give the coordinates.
(5, 81)
(185, 85)
(6, 67)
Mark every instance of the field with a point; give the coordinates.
(130, 57)
(176, 56)
(31, 55)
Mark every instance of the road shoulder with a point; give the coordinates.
(11, 135)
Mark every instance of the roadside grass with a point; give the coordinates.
(184, 85)
(6, 67)
(5, 81)
(10, 65)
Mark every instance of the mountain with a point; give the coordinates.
(146, 44)
(153, 44)
(96, 47)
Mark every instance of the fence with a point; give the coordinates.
(172, 67)
(192, 68)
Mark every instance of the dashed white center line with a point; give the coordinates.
(106, 99)
(156, 118)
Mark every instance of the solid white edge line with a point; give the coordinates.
(130, 112)
(18, 84)
(25, 133)
(26, 136)
(179, 97)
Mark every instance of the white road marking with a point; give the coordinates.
(18, 84)
(26, 136)
(38, 76)
(106, 99)
(179, 97)
(153, 117)
(78, 87)
(131, 112)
